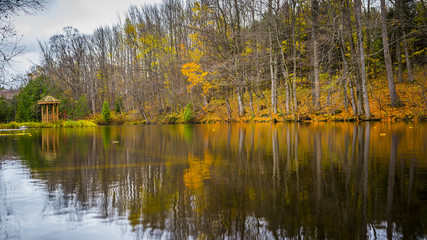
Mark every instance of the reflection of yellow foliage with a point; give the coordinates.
(15, 134)
(134, 216)
(251, 193)
(197, 172)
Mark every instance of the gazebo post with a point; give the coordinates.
(45, 102)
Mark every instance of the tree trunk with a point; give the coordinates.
(93, 98)
(399, 60)
(387, 57)
(344, 75)
(315, 61)
(358, 14)
(368, 41)
(294, 59)
(285, 76)
(344, 87)
(273, 76)
(251, 104)
(240, 102)
(354, 60)
(253, 82)
(141, 110)
(227, 102)
(345, 71)
(294, 78)
(398, 36)
(329, 78)
(407, 59)
(353, 98)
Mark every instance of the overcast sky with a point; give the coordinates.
(84, 15)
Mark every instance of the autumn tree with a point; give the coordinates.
(290, 57)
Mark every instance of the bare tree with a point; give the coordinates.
(236, 47)
(315, 59)
(387, 57)
(9, 40)
(357, 7)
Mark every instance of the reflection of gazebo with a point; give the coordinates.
(50, 143)
(45, 103)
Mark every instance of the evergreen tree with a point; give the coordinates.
(106, 114)
(27, 108)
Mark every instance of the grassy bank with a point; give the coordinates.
(59, 124)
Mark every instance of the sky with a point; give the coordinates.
(84, 15)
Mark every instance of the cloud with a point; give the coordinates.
(84, 15)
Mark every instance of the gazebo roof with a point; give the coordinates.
(48, 99)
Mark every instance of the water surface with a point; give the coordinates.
(238, 181)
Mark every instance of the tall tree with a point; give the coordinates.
(357, 7)
(387, 57)
(315, 60)
(162, 57)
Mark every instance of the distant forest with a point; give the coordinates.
(283, 53)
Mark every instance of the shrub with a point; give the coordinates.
(118, 119)
(80, 108)
(7, 109)
(338, 111)
(188, 116)
(172, 119)
(106, 114)
(13, 125)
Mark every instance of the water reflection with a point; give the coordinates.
(319, 180)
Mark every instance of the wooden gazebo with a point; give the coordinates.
(45, 103)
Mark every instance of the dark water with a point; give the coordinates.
(238, 181)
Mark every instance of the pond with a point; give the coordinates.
(238, 181)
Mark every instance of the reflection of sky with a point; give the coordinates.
(23, 201)
(380, 231)
(27, 213)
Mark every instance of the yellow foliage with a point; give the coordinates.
(196, 76)
(421, 52)
(285, 45)
(130, 28)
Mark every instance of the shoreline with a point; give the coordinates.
(15, 126)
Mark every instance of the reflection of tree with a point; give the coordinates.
(239, 181)
(197, 172)
(364, 182)
(390, 185)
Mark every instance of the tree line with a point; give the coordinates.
(280, 53)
